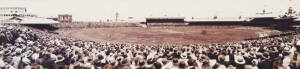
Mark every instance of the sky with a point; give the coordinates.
(95, 10)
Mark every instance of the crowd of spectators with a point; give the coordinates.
(24, 48)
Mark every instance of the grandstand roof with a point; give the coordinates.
(217, 20)
(297, 26)
(263, 16)
(165, 18)
(298, 18)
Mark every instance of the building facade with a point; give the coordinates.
(19, 15)
(65, 18)
(14, 11)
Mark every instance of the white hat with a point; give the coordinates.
(35, 56)
(286, 48)
(2, 25)
(255, 61)
(2, 63)
(222, 67)
(103, 61)
(26, 60)
(212, 62)
(298, 42)
(18, 50)
(19, 39)
(10, 27)
(24, 29)
(53, 56)
(239, 60)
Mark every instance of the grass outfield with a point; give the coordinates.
(168, 35)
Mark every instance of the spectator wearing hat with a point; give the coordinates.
(205, 65)
(297, 45)
(239, 61)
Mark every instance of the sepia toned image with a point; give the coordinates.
(150, 34)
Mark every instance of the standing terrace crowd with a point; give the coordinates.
(25, 48)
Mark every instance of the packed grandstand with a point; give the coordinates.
(29, 48)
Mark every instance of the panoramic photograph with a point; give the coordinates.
(149, 34)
